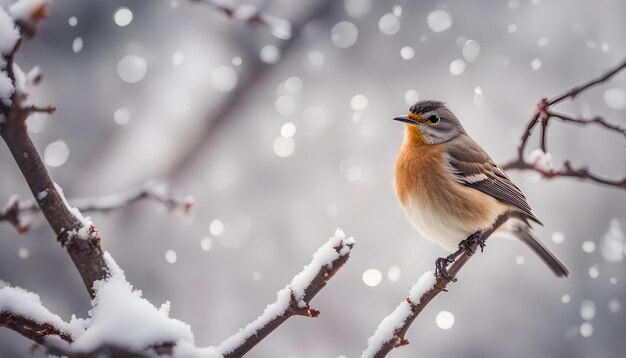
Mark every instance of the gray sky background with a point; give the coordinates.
(277, 210)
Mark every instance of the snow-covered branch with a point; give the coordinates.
(543, 115)
(252, 14)
(392, 329)
(294, 299)
(152, 190)
(75, 232)
(123, 322)
(22, 312)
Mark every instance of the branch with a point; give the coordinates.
(294, 299)
(392, 329)
(11, 213)
(30, 329)
(543, 115)
(566, 172)
(150, 191)
(74, 232)
(251, 14)
(23, 312)
(565, 117)
(575, 91)
(106, 350)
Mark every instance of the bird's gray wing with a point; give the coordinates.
(471, 166)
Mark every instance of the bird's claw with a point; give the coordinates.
(441, 268)
(466, 245)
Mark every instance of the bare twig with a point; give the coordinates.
(85, 252)
(544, 113)
(150, 191)
(575, 91)
(294, 299)
(565, 117)
(11, 214)
(392, 330)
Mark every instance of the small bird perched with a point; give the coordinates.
(450, 188)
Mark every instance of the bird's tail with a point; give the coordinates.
(524, 233)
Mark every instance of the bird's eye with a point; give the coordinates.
(434, 119)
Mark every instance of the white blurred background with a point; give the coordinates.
(282, 141)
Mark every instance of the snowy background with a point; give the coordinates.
(304, 144)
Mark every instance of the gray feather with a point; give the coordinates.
(472, 166)
(524, 233)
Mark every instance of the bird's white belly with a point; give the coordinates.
(439, 228)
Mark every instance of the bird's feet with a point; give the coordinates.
(475, 238)
(441, 268)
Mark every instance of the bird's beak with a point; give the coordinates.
(405, 119)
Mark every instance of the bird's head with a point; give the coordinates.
(430, 122)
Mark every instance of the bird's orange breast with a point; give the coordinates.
(418, 167)
(423, 179)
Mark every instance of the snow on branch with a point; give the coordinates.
(120, 321)
(252, 14)
(153, 190)
(23, 312)
(294, 299)
(122, 317)
(123, 322)
(540, 160)
(74, 232)
(392, 329)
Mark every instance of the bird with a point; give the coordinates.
(451, 189)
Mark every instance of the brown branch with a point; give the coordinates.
(566, 172)
(27, 327)
(575, 91)
(294, 299)
(565, 117)
(11, 214)
(86, 252)
(41, 333)
(544, 114)
(149, 191)
(389, 335)
(105, 350)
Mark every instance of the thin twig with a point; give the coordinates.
(391, 333)
(150, 191)
(575, 91)
(11, 214)
(545, 113)
(565, 117)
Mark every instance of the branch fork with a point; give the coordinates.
(544, 114)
